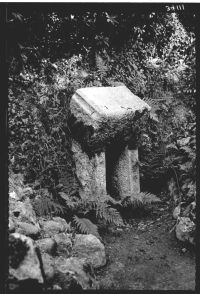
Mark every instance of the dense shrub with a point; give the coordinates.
(155, 60)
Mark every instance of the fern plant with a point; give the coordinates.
(45, 205)
(85, 226)
(141, 199)
(101, 66)
(102, 205)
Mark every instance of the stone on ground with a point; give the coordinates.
(22, 211)
(50, 228)
(64, 244)
(185, 230)
(24, 264)
(71, 274)
(90, 248)
(47, 245)
(29, 230)
(48, 266)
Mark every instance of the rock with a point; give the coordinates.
(14, 195)
(185, 230)
(11, 225)
(29, 230)
(50, 228)
(106, 110)
(65, 227)
(22, 211)
(47, 245)
(56, 287)
(48, 266)
(64, 244)
(90, 248)
(24, 264)
(71, 274)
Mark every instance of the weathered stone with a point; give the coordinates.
(185, 230)
(89, 248)
(29, 230)
(64, 244)
(56, 287)
(122, 171)
(22, 211)
(107, 110)
(50, 228)
(71, 274)
(90, 171)
(13, 195)
(47, 245)
(48, 266)
(65, 227)
(23, 261)
(11, 225)
(106, 155)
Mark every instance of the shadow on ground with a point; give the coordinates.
(147, 256)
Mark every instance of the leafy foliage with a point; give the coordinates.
(140, 200)
(45, 205)
(86, 226)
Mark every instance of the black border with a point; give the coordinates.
(75, 7)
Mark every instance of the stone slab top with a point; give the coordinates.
(107, 109)
(96, 103)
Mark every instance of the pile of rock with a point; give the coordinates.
(185, 222)
(44, 252)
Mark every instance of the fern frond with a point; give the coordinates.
(101, 67)
(151, 102)
(101, 205)
(45, 206)
(86, 226)
(140, 200)
(69, 201)
(109, 214)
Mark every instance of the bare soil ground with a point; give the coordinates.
(147, 256)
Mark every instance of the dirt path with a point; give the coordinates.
(147, 256)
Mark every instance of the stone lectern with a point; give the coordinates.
(102, 121)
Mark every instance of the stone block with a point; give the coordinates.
(122, 171)
(107, 111)
(90, 171)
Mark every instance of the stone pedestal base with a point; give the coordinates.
(122, 172)
(115, 172)
(90, 171)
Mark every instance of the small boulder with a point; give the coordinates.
(65, 227)
(22, 211)
(11, 225)
(90, 248)
(24, 264)
(185, 230)
(48, 266)
(64, 244)
(71, 274)
(47, 245)
(50, 228)
(29, 230)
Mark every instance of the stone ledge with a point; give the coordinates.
(106, 112)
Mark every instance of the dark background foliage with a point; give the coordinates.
(52, 51)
